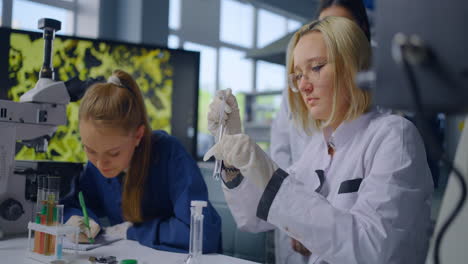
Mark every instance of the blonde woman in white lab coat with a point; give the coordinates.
(361, 191)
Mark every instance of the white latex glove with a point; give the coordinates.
(118, 231)
(231, 117)
(78, 221)
(241, 152)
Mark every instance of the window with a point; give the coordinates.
(207, 81)
(235, 71)
(265, 109)
(173, 42)
(206, 92)
(174, 14)
(242, 27)
(237, 23)
(207, 65)
(27, 13)
(293, 25)
(270, 76)
(270, 27)
(1, 12)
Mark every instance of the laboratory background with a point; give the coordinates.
(180, 53)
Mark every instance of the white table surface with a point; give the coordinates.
(14, 251)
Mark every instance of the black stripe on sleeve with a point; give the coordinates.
(350, 186)
(234, 182)
(270, 193)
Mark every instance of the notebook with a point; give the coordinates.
(99, 241)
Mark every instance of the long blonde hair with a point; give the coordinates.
(349, 51)
(122, 107)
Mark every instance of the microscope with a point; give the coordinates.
(33, 120)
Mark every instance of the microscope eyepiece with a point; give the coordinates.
(50, 26)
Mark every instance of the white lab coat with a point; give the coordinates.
(372, 207)
(286, 147)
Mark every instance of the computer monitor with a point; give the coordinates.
(443, 78)
(167, 77)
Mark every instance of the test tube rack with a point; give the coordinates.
(58, 231)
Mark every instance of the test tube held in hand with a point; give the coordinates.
(217, 167)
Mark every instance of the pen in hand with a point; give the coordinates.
(85, 217)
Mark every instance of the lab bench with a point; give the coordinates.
(14, 251)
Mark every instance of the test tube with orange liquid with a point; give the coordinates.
(38, 236)
(52, 200)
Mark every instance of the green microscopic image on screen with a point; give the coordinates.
(150, 67)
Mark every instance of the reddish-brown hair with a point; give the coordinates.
(122, 107)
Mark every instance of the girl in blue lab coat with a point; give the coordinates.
(143, 181)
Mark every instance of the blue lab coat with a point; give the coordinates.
(174, 180)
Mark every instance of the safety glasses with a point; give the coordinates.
(311, 75)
